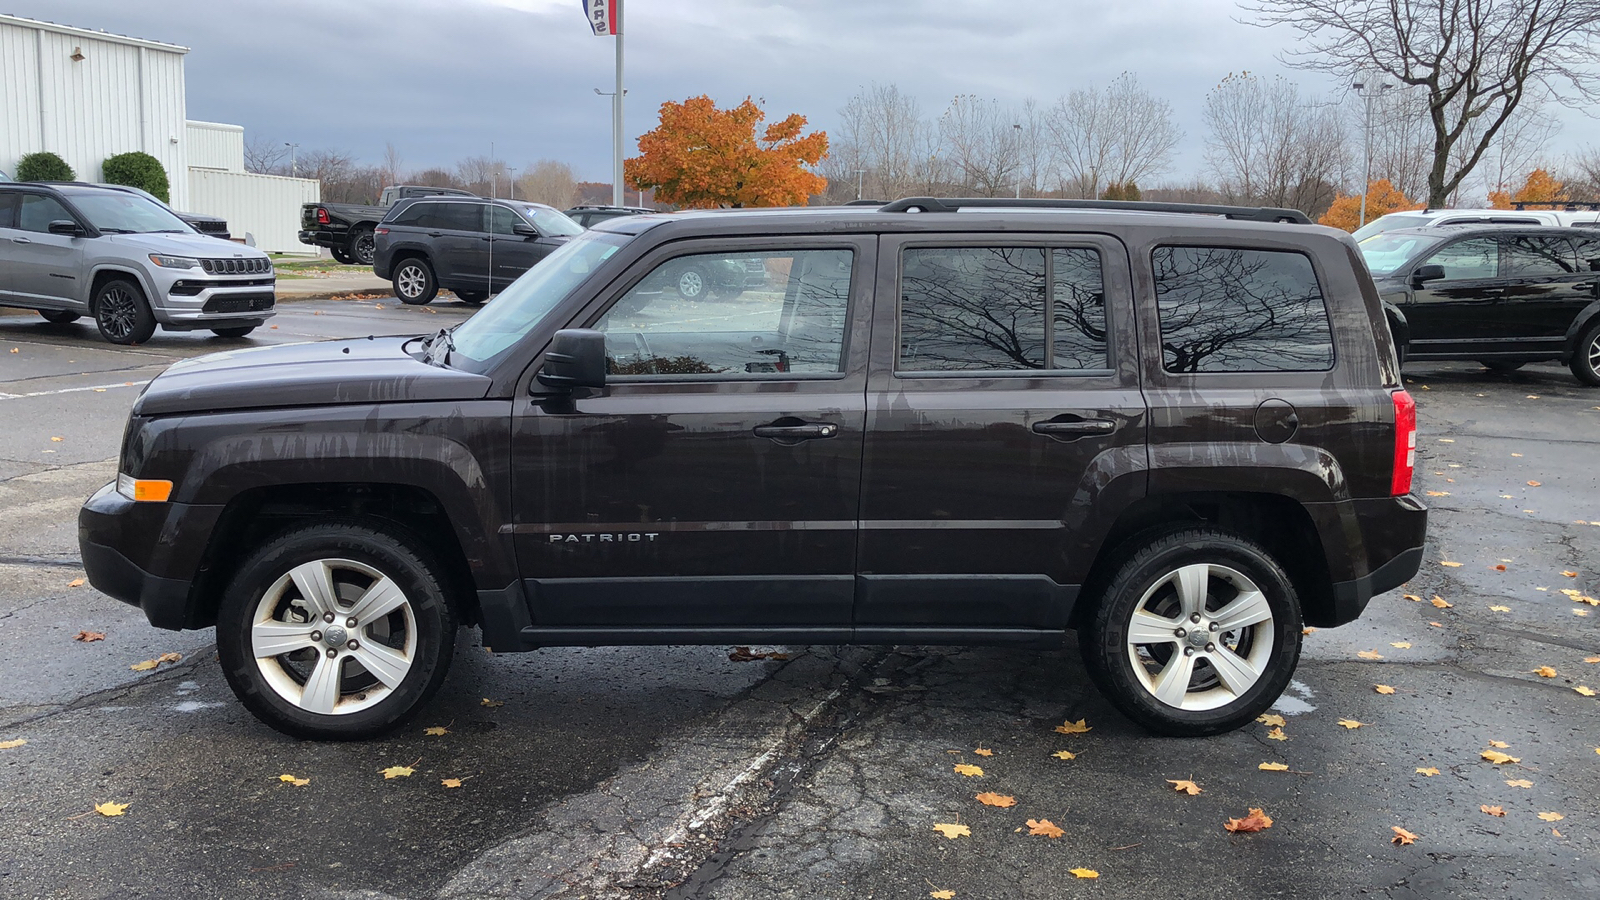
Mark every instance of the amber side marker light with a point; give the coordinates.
(144, 490)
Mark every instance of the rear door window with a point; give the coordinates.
(1534, 256)
(1229, 309)
(460, 216)
(8, 210)
(1588, 251)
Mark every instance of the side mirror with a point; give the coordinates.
(1429, 272)
(523, 228)
(577, 358)
(65, 227)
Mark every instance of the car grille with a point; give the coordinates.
(255, 266)
(240, 303)
(211, 227)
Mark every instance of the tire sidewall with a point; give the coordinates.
(1581, 369)
(1106, 648)
(144, 321)
(430, 284)
(362, 239)
(416, 574)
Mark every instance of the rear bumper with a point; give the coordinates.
(1394, 531)
(325, 238)
(146, 554)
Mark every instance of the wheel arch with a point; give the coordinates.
(107, 272)
(1581, 323)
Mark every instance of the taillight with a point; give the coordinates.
(381, 229)
(322, 216)
(1405, 443)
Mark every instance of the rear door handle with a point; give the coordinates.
(1073, 429)
(808, 431)
(435, 234)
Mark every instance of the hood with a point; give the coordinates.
(184, 245)
(326, 373)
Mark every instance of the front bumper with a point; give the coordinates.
(189, 300)
(147, 554)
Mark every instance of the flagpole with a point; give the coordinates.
(617, 198)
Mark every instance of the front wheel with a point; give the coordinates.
(335, 632)
(122, 314)
(1586, 358)
(414, 282)
(1198, 632)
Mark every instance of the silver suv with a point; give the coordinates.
(70, 250)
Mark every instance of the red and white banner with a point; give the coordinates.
(602, 16)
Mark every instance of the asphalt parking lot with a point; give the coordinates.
(679, 772)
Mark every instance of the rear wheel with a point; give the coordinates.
(122, 314)
(238, 332)
(59, 316)
(1495, 365)
(1586, 358)
(414, 282)
(693, 283)
(336, 632)
(362, 246)
(1198, 632)
(340, 256)
(476, 298)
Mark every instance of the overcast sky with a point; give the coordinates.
(441, 79)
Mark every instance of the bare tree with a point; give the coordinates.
(264, 156)
(1583, 175)
(436, 177)
(482, 175)
(884, 144)
(1401, 140)
(982, 142)
(391, 164)
(1518, 149)
(1113, 135)
(548, 181)
(1268, 145)
(1474, 59)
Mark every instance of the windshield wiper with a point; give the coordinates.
(431, 352)
(116, 230)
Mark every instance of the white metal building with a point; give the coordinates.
(86, 95)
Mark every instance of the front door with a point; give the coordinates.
(510, 254)
(1455, 313)
(1004, 397)
(714, 482)
(41, 268)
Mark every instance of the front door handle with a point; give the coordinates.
(21, 240)
(1072, 429)
(787, 433)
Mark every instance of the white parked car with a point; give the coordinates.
(1427, 218)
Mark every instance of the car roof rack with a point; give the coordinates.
(1558, 205)
(944, 204)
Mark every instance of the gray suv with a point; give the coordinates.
(70, 250)
(468, 245)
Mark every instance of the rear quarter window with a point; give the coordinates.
(1231, 309)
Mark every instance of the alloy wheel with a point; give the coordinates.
(409, 281)
(1201, 637)
(690, 284)
(117, 312)
(365, 248)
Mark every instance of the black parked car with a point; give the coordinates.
(588, 216)
(472, 246)
(1501, 295)
(1183, 436)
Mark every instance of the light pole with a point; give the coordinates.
(617, 198)
(294, 159)
(860, 175)
(511, 176)
(1018, 129)
(1368, 90)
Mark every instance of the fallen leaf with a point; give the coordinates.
(450, 782)
(1307, 630)
(145, 666)
(1500, 567)
(1533, 484)
(989, 798)
(1500, 609)
(56, 440)
(15, 350)
(18, 742)
(1081, 726)
(983, 751)
(1574, 594)
(109, 809)
(1184, 786)
(1545, 672)
(1519, 783)
(1428, 772)
(1516, 454)
(491, 703)
(1500, 745)
(1495, 811)
(297, 782)
(1369, 654)
(1441, 603)
(952, 830)
(1498, 758)
(88, 636)
(1551, 816)
(1273, 767)
(1383, 688)
(1438, 493)
(1580, 612)
(76, 582)
(1271, 719)
(1400, 645)
(1453, 565)
(1413, 598)
(969, 771)
(1351, 724)
(1276, 734)
(435, 730)
(1447, 440)
(1584, 690)
(1437, 624)
(397, 772)
(1570, 575)
(1587, 599)
(936, 895)
(1044, 827)
(1556, 832)
(1591, 659)
(1402, 836)
(1064, 754)
(1084, 873)
(1255, 820)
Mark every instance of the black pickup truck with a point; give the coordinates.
(346, 228)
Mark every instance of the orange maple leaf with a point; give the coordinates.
(1402, 836)
(990, 798)
(1255, 820)
(1044, 827)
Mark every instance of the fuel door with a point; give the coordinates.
(1276, 421)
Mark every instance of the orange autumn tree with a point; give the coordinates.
(1539, 187)
(1382, 199)
(703, 157)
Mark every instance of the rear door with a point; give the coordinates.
(460, 245)
(1546, 288)
(1003, 404)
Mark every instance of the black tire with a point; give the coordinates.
(692, 283)
(1148, 580)
(122, 313)
(267, 591)
(414, 281)
(238, 332)
(59, 316)
(340, 256)
(1495, 365)
(476, 298)
(1586, 356)
(362, 247)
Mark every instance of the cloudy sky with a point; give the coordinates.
(442, 79)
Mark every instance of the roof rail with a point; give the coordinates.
(1252, 213)
(1562, 205)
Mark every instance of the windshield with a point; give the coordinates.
(123, 213)
(1387, 252)
(550, 222)
(504, 320)
(1389, 223)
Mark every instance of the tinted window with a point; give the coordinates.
(501, 220)
(1527, 256)
(8, 210)
(424, 215)
(1001, 309)
(38, 211)
(411, 215)
(774, 312)
(1475, 258)
(1235, 310)
(1588, 251)
(460, 216)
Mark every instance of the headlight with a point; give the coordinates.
(143, 490)
(174, 262)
